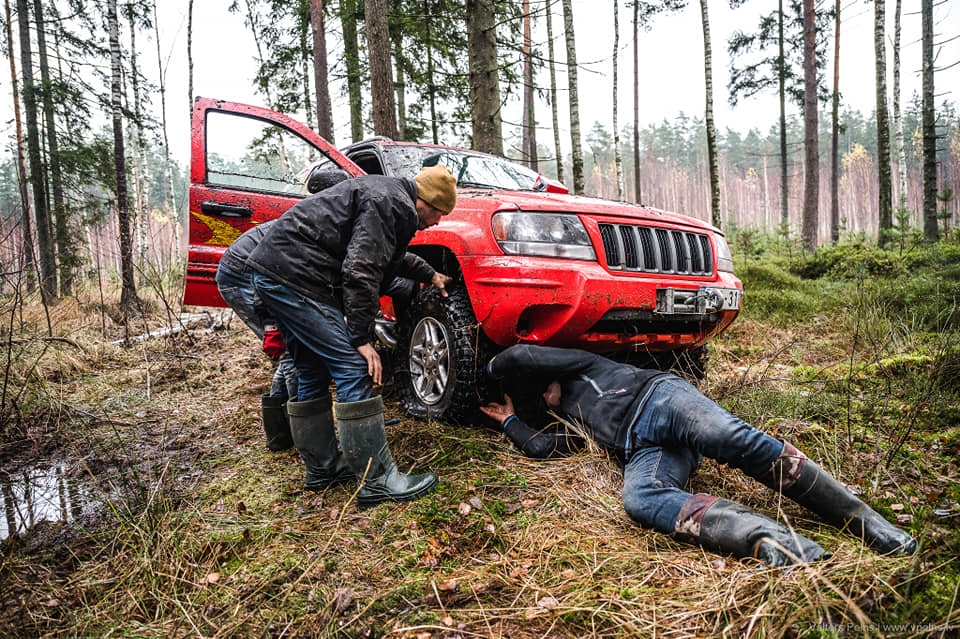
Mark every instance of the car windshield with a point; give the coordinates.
(470, 169)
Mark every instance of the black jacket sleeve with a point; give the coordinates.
(542, 444)
(416, 268)
(526, 359)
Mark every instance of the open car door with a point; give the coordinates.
(248, 165)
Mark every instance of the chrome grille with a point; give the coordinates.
(643, 249)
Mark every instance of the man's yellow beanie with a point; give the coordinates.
(437, 187)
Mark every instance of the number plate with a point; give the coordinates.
(731, 296)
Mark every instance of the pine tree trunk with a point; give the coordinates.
(637, 191)
(141, 175)
(784, 172)
(553, 91)
(431, 85)
(128, 293)
(381, 73)
(884, 182)
(897, 119)
(26, 224)
(351, 55)
(576, 149)
(811, 181)
(484, 76)
(64, 239)
(308, 63)
(321, 84)
(168, 171)
(400, 86)
(47, 256)
(931, 232)
(529, 125)
(835, 135)
(190, 95)
(711, 127)
(617, 155)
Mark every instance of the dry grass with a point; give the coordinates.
(205, 533)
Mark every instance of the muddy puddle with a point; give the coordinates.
(33, 494)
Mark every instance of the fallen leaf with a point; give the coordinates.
(904, 519)
(512, 508)
(448, 621)
(548, 602)
(569, 573)
(450, 585)
(342, 599)
(212, 578)
(896, 507)
(476, 503)
(529, 503)
(464, 509)
(718, 564)
(490, 528)
(51, 603)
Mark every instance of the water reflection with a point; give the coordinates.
(33, 495)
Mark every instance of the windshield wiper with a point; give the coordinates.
(479, 185)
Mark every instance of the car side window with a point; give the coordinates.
(251, 154)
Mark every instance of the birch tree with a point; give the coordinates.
(574, 97)
(617, 155)
(884, 184)
(551, 62)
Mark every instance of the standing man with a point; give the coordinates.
(319, 272)
(660, 427)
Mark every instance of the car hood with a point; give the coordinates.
(497, 200)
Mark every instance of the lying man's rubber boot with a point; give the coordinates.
(801, 480)
(364, 442)
(729, 527)
(311, 423)
(276, 426)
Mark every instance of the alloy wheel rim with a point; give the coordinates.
(431, 361)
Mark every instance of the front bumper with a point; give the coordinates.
(581, 304)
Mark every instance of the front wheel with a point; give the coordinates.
(437, 357)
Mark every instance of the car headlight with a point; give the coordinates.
(542, 234)
(724, 257)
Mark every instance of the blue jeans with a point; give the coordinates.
(676, 429)
(237, 291)
(317, 336)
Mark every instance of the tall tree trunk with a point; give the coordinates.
(711, 127)
(897, 119)
(26, 224)
(575, 144)
(484, 76)
(637, 191)
(48, 260)
(167, 169)
(381, 74)
(529, 125)
(320, 82)
(140, 171)
(128, 292)
(553, 91)
(190, 95)
(64, 239)
(617, 155)
(835, 135)
(308, 65)
(811, 181)
(782, 88)
(931, 232)
(884, 182)
(432, 87)
(351, 56)
(400, 86)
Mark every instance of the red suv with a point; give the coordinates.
(531, 262)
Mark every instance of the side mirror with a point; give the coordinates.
(323, 177)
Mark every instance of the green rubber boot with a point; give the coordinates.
(276, 425)
(729, 527)
(365, 448)
(311, 424)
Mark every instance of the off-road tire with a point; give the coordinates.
(438, 357)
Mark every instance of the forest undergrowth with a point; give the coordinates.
(191, 528)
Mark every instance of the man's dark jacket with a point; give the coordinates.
(342, 245)
(603, 395)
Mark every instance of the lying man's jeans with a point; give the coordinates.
(237, 291)
(676, 429)
(317, 336)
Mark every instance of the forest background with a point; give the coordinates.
(107, 88)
